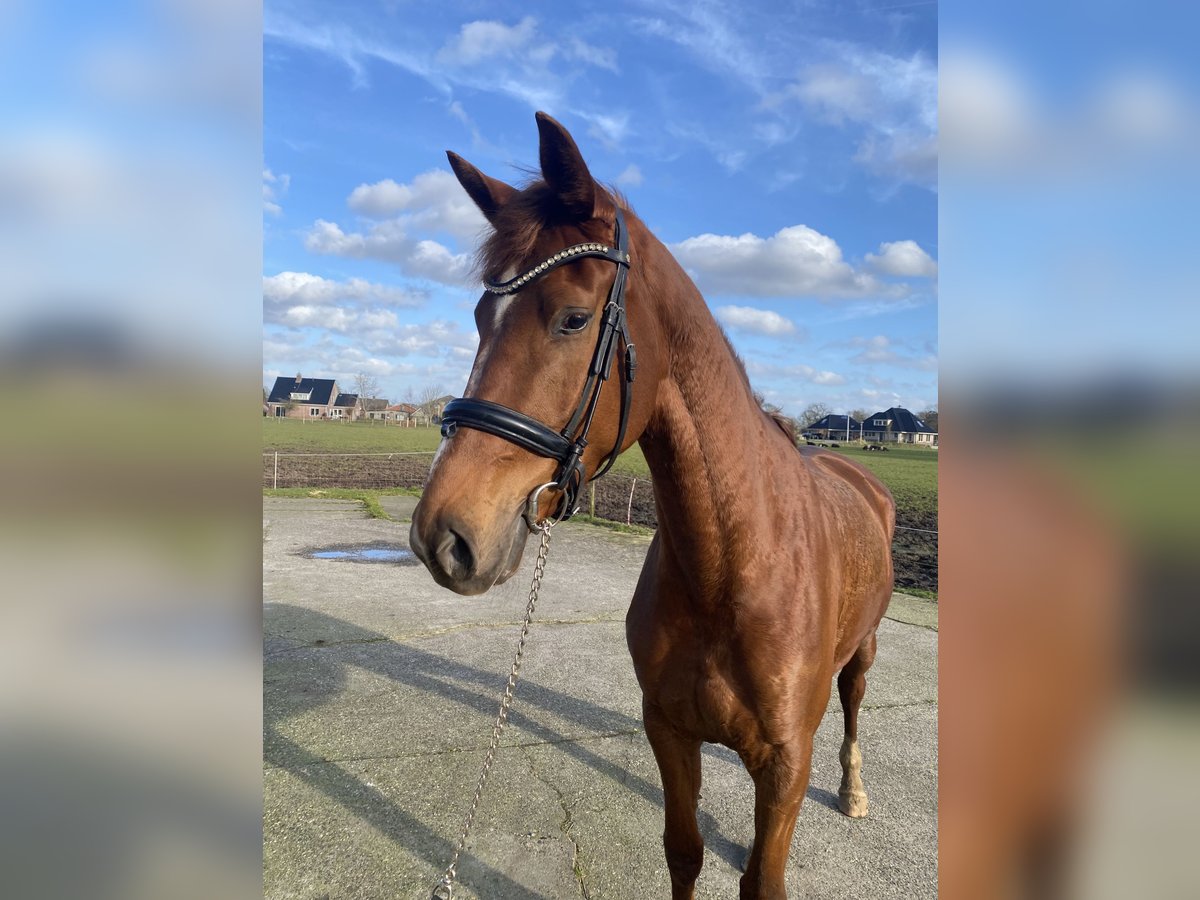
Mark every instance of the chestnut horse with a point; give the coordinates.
(771, 567)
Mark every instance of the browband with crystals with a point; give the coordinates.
(574, 252)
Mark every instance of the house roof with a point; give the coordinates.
(373, 404)
(402, 407)
(319, 389)
(834, 422)
(346, 400)
(902, 420)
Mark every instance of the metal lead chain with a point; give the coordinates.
(444, 889)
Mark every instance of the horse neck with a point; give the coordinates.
(707, 441)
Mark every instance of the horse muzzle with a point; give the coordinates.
(460, 558)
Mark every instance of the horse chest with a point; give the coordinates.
(703, 700)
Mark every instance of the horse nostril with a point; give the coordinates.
(455, 555)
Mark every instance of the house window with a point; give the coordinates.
(302, 396)
(335, 413)
(280, 411)
(314, 411)
(881, 423)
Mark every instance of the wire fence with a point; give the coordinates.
(617, 497)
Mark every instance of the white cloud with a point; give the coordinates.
(865, 86)
(608, 127)
(433, 201)
(426, 339)
(290, 288)
(436, 351)
(902, 157)
(631, 176)
(892, 99)
(601, 57)
(480, 40)
(989, 112)
(273, 188)
(796, 370)
(390, 242)
(711, 34)
(302, 300)
(881, 350)
(518, 64)
(796, 261)
(754, 321)
(903, 259)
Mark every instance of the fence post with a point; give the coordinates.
(629, 508)
(275, 482)
(592, 507)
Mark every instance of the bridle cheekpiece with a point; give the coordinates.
(565, 446)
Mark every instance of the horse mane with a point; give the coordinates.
(533, 209)
(782, 422)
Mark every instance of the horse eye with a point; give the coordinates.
(575, 322)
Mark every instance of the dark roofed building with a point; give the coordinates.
(309, 398)
(345, 407)
(898, 425)
(372, 408)
(833, 426)
(311, 391)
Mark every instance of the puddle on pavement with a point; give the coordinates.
(364, 553)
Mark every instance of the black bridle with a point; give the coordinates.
(566, 446)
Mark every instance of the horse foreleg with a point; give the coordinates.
(678, 760)
(780, 781)
(852, 684)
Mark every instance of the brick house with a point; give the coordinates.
(372, 408)
(401, 414)
(310, 398)
(898, 426)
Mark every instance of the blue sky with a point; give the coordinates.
(787, 156)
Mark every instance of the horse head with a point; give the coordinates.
(534, 413)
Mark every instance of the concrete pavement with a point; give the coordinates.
(380, 690)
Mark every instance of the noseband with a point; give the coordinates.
(566, 446)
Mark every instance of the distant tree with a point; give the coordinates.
(429, 393)
(366, 385)
(410, 396)
(813, 413)
(930, 418)
(859, 416)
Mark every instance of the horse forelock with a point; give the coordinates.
(525, 217)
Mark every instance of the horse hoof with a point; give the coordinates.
(853, 803)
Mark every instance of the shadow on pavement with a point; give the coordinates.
(455, 682)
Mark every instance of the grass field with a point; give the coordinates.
(299, 436)
(910, 474)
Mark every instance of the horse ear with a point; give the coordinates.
(564, 169)
(489, 194)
